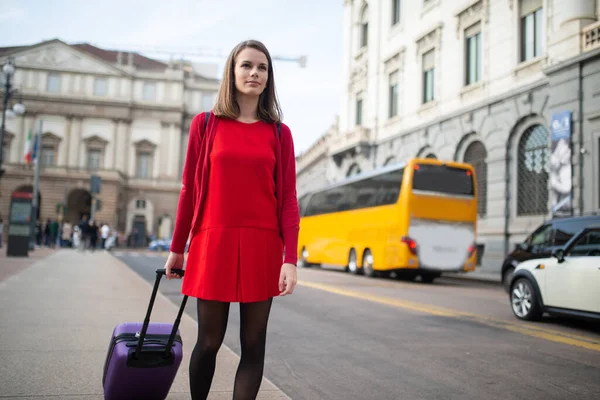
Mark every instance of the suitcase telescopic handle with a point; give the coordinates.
(159, 274)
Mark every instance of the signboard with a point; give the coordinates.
(561, 178)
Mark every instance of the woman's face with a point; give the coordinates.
(251, 72)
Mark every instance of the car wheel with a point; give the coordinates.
(507, 278)
(524, 301)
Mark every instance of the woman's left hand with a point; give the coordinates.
(287, 279)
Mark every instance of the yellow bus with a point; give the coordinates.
(413, 218)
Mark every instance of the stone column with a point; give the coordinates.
(129, 151)
(64, 151)
(111, 148)
(75, 142)
(162, 151)
(569, 17)
(174, 147)
(579, 12)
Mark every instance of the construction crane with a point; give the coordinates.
(185, 52)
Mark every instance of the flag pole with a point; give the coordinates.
(36, 185)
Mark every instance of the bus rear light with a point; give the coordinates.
(412, 245)
(472, 249)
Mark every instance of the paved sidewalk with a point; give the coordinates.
(57, 319)
(12, 265)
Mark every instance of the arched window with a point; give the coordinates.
(364, 26)
(390, 160)
(532, 172)
(353, 170)
(476, 155)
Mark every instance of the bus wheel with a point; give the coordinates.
(367, 264)
(303, 259)
(429, 278)
(353, 263)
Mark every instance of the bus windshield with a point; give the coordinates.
(443, 179)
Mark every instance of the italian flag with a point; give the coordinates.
(28, 148)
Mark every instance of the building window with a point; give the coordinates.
(143, 164)
(353, 170)
(359, 110)
(364, 27)
(140, 204)
(532, 172)
(395, 12)
(100, 86)
(532, 29)
(476, 155)
(149, 91)
(47, 156)
(53, 83)
(94, 158)
(393, 94)
(473, 54)
(428, 76)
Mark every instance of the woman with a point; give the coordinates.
(238, 204)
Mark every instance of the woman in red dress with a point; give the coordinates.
(238, 206)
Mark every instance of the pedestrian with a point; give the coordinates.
(242, 217)
(105, 232)
(93, 233)
(84, 236)
(67, 231)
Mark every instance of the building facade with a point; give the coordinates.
(121, 116)
(510, 86)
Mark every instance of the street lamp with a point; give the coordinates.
(8, 70)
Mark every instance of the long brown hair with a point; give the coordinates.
(268, 105)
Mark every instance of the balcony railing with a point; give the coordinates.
(590, 37)
(360, 136)
(70, 171)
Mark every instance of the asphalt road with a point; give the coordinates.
(350, 337)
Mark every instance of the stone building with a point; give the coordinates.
(489, 82)
(121, 116)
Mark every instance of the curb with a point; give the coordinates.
(474, 277)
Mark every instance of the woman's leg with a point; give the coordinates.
(253, 335)
(212, 324)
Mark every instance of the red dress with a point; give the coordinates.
(237, 253)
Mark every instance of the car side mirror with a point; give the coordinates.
(522, 246)
(559, 254)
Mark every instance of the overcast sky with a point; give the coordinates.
(310, 97)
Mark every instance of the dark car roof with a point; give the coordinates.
(576, 218)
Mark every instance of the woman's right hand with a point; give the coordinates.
(175, 260)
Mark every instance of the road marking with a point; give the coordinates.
(523, 328)
(408, 305)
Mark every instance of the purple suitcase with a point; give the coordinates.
(136, 371)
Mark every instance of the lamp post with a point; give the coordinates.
(8, 71)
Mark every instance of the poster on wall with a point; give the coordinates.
(561, 178)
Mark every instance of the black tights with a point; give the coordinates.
(212, 323)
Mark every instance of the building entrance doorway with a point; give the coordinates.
(79, 203)
(138, 231)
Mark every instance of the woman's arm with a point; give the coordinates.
(290, 213)
(185, 211)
